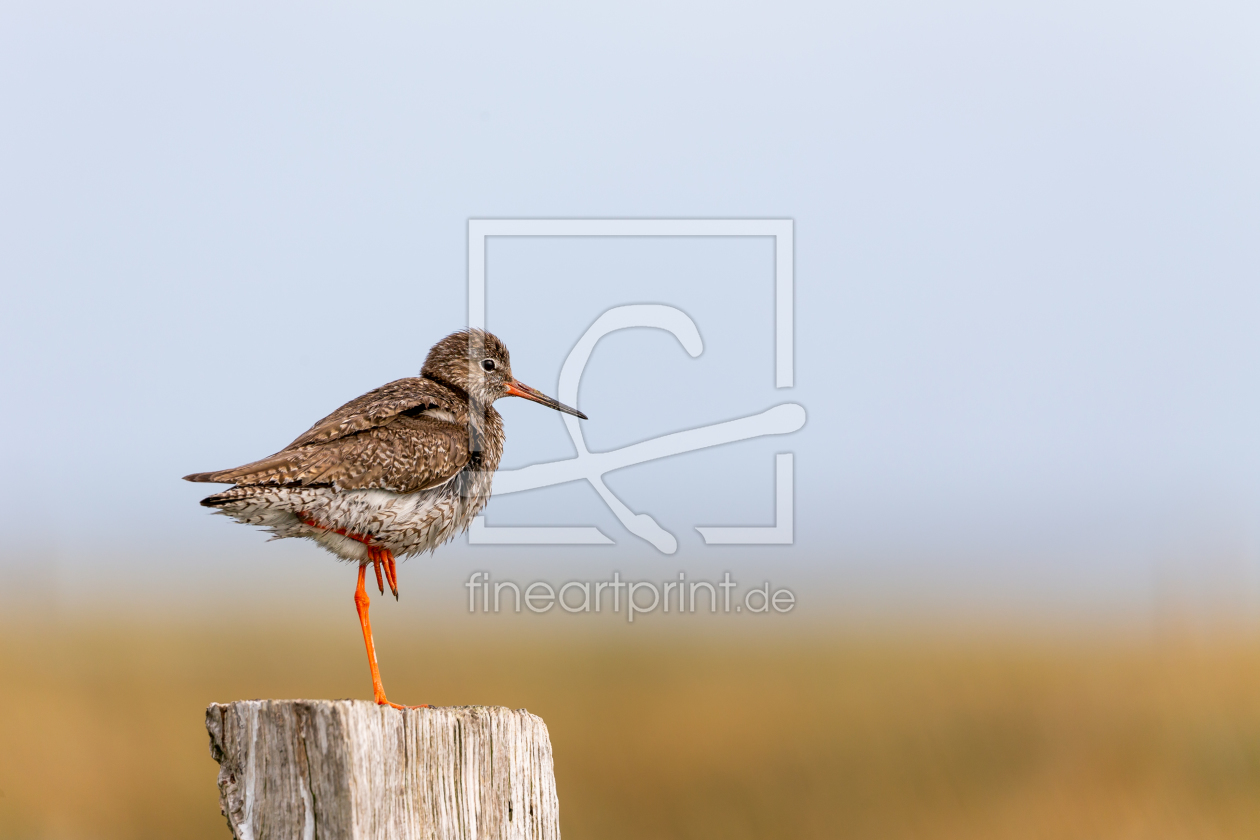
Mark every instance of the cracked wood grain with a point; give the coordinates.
(352, 770)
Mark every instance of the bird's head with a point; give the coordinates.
(478, 362)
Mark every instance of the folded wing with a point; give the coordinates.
(399, 437)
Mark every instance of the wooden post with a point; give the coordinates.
(352, 770)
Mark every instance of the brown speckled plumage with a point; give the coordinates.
(406, 466)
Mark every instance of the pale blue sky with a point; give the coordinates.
(1028, 268)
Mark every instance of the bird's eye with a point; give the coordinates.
(487, 364)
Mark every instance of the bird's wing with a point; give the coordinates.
(377, 408)
(404, 456)
(399, 437)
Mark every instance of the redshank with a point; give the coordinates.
(396, 472)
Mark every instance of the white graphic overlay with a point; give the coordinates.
(591, 466)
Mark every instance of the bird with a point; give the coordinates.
(394, 473)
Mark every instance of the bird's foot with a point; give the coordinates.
(384, 558)
(381, 700)
(375, 556)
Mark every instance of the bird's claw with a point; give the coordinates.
(375, 557)
(381, 701)
(391, 571)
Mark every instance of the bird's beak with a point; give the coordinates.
(516, 388)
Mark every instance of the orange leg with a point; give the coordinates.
(361, 602)
(378, 557)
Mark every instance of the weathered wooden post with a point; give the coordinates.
(352, 770)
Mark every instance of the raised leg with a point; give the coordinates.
(361, 602)
(378, 556)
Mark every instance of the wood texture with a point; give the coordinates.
(352, 770)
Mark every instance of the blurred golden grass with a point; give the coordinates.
(672, 735)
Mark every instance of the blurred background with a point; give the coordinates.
(1027, 496)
